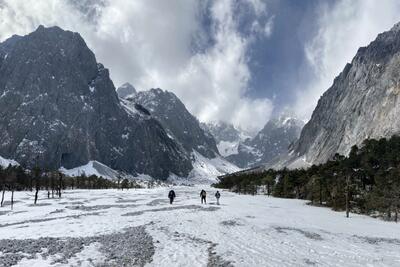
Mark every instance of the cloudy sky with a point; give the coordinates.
(237, 61)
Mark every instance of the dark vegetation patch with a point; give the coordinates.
(49, 219)
(310, 235)
(185, 207)
(100, 207)
(230, 223)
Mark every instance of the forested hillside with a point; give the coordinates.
(367, 181)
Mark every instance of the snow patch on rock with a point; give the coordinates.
(91, 168)
(6, 162)
(227, 148)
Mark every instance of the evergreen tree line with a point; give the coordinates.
(367, 181)
(16, 178)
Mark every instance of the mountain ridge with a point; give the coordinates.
(362, 103)
(59, 108)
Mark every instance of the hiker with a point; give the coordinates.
(203, 195)
(217, 195)
(171, 196)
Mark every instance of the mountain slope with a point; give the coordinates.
(271, 142)
(58, 107)
(226, 136)
(177, 120)
(362, 103)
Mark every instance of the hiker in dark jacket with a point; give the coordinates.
(217, 195)
(171, 196)
(203, 195)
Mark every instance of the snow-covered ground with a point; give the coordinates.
(123, 228)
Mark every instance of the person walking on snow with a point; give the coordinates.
(203, 195)
(171, 196)
(217, 195)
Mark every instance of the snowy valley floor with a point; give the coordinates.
(139, 227)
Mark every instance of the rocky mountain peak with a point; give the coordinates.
(59, 108)
(269, 143)
(126, 90)
(177, 120)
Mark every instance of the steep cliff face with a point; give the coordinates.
(58, 107)
(181, 126)
(362, 103)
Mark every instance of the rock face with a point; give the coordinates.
(271, 142)
(125, 90)
(362, 103)
(180, 125)
(58, 107)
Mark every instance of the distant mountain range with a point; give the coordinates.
(59, 109)
(269, 143)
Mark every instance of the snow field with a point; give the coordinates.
(243, 231)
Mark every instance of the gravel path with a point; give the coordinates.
(132, 247)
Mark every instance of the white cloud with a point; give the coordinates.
(150, 44)
(344, 28)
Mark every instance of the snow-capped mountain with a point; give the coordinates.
(59, 108)
(180, 125)
(248, 151)
(92, 168)
(271, 142)
(362, 103)
(226, 135)
(184, 129)
(125, 90)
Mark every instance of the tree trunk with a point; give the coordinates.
(320, 193)
(60, 184)
(347, 197)
(395, 214)
(12, 197)
(2, 195)
(36, 195)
